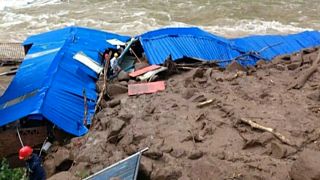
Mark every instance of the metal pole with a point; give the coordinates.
(19, 137)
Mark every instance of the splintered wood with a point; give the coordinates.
(303, 78)
(267, 129)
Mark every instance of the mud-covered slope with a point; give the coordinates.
(209, 142)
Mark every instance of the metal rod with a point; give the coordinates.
(19, 137)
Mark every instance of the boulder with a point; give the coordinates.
(235, 67)
(115, 89)
(307, 166)
(49, 167)
(61, 156)
(196, 154)
(146, 167)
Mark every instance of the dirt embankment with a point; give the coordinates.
(209, 142)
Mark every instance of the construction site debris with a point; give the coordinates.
(144, 70)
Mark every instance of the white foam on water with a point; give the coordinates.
(235, 28)
(17, 4)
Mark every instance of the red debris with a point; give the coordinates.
(145, 88)
(144, 70)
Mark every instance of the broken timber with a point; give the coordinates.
(267, 129)
(303, 78)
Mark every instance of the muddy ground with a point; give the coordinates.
(209, 142)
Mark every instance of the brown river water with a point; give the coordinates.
(229, 18)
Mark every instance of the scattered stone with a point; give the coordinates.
(234, 66)
(114, 103)
(81, 169)
(115, 126)
(178, 153)
(167, 173)
(153, 154)
(166, 148)
(314, 96)
(277, 150)
(125, 117)
(65, 175)
(307, 166)
(115, 89)
(49, 166)
(293, 66)
(198, 98)
(60, 156)
(188, 92)
(261, 63)
(198, 73)
(150, 109)
(146, 167)
(196, 154)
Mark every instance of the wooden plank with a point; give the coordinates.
(145, 88)
(144, 70)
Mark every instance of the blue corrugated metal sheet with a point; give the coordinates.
(50, 82)
(196, 43)
(185, 42)
(275, 45)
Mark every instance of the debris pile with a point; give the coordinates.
(208, 123)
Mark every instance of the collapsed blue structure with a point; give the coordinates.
(51, 84)
(196, 43)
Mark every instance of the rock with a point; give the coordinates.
(61, 156)
(198, 98)
(314, 96)
(196, 154)
(49, 167)
(146, 167)
(81, 169)
(261, 63)
(235, 67)
(198, 73)
(115, 126)
(114, 103)
(149, 109)
(293, 66)
(188, 92)
(178, 153)
(277, 150)
(125, 117)
(65, 175)
(307, 166)
(122, 75)
(153, 154)
(167, 173)
(115, 89)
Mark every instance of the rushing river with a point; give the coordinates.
(230, 18)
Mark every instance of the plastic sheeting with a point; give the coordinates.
(196, 43)
(51, 83)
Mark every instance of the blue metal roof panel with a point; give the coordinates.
(50, 82)
(275, 45)
(185, 42)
